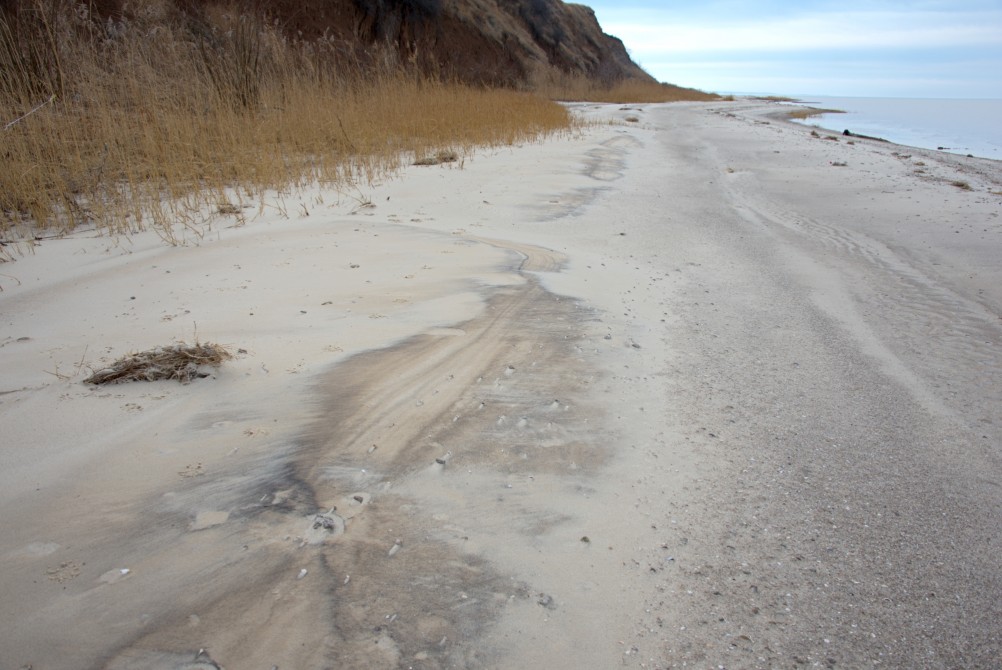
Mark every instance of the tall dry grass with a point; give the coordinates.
(566, 88)
(129, 123)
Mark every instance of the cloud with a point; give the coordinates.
(912, 48)
(843, 31)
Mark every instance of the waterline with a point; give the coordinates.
(958, 126)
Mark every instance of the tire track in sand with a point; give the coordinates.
(924, 313)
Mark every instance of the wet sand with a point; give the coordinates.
(699, 391)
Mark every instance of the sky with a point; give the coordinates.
(875, 48)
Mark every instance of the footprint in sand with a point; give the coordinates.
(208, 519)
(64, 572)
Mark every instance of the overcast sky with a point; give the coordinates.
(884, 48)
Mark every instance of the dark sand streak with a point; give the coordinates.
(392, 587)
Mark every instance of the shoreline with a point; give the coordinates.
(693, 389)
(904, 132)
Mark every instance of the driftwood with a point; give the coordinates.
(182, 362)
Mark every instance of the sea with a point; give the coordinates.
(958, 126)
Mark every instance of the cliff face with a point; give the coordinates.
(494, 42)
(498, 41)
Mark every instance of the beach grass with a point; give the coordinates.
(569, 88)
(808, 112)
(130, 124)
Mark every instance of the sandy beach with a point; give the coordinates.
(699, 389)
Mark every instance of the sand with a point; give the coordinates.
(701, 390)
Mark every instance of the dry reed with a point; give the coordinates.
(124, 124)
(578, 88)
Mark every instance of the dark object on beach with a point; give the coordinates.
(182, 362)
(864, 137)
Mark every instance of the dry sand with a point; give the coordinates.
(698, 391)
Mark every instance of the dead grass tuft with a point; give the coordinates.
(181, 362)
(962, 185)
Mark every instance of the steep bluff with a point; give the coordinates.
(493, 42)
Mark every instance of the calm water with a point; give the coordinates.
(960, 126)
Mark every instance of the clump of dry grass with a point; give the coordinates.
(182, 362)
(808, 112)
(146, 120)
(962, 185)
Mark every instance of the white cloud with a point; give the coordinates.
(824, 31)
(915, 48)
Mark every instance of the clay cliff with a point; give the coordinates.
(484, 41)
(491, 42)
